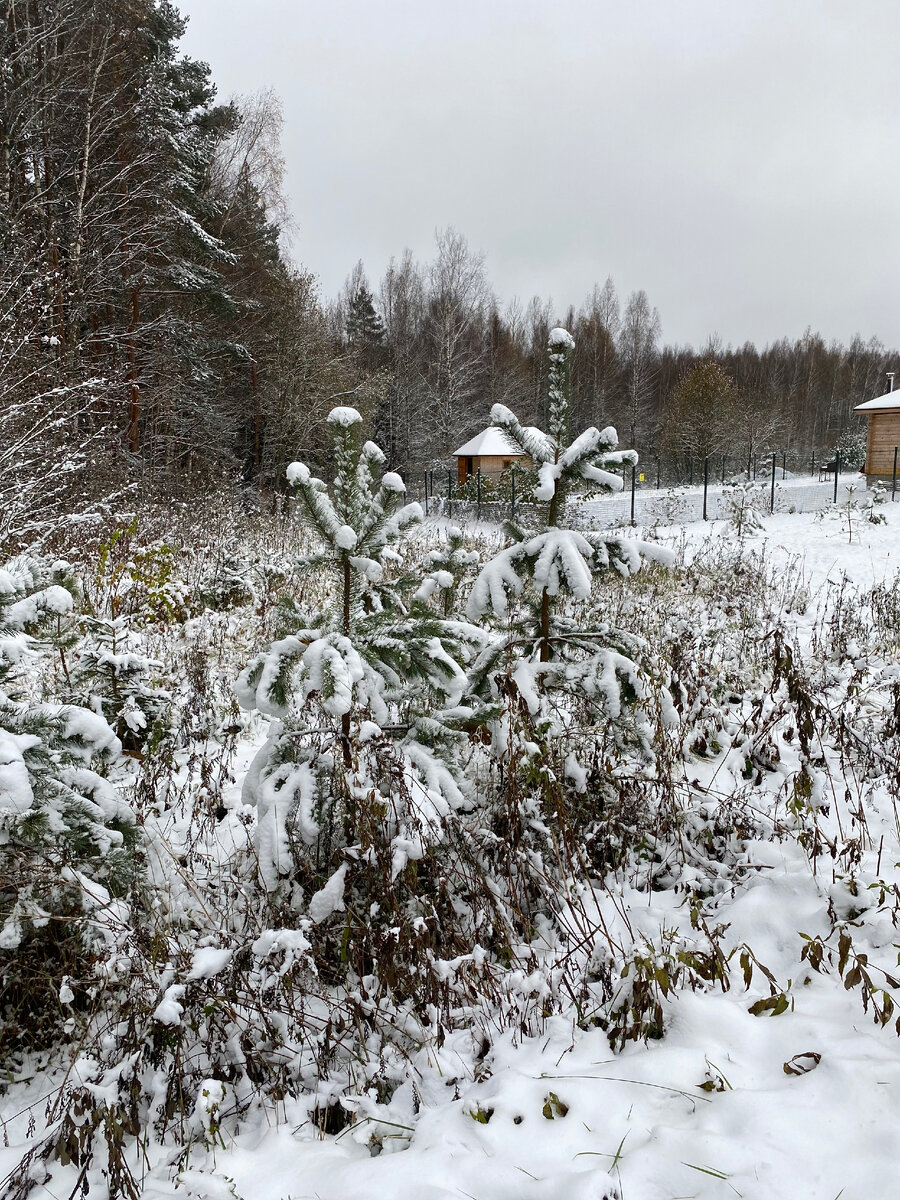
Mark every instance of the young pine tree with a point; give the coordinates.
(353, 789)
(569, 681)
(543, 564)
(67, 839)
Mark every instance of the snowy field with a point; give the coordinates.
(793, 494)
(778, 1079)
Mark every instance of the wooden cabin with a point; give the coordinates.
(491, 452)
(884, 434)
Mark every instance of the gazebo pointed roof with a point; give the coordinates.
(490, 441)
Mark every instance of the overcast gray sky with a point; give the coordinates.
(738, 159)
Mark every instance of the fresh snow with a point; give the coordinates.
(880, 403)
(329, 898)
(798, 1106)
(209, 962)
(561, 337)
(490, 442)
(344, 417)
(637, 1124)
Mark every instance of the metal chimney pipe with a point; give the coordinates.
(890, 375)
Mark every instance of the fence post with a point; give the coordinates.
(813, 471)
(426, 493)
(449, 493)
(633, 478)
(657, 473)
(478, 493)
(512, 481)
(772, 497)
(837, 471)
(723, 470)
(690, 470)
(783, 465)
(894, 483)
(705, 484)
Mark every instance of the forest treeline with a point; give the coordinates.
(155, 331)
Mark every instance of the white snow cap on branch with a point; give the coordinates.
(561, 337)
(392, 482)
(345, 538)
(344, 416)
(298, 473)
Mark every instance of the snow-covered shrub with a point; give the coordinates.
(67, 838)
(556, 669)
(446, 568)
(872, 502)
(138, 580)
(114, 678)
(852, 448)
(743, 504)
(354, 799)
(670, 508)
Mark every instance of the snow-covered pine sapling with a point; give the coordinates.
(857, 508)
(367, 647)
(66, 836)
(446, 567)
(566, 679)
(554, 559)
(363, 676)
(115, 679)
(743, 502)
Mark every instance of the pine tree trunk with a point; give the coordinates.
(345, 718)
(552, 517)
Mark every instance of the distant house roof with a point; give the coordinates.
(888, 400)
(490, 441)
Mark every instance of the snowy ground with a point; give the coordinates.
(799, 1104)
(793, 494)
(639, 1121)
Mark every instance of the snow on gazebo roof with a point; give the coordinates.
(490, 441)
(888, 400)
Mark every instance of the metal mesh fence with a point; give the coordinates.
(641, 502)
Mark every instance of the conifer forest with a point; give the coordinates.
(358, 842)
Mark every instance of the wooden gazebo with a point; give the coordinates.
(884, 433)
(491, 452)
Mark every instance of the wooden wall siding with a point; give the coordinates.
(491, 466)
(884, 435)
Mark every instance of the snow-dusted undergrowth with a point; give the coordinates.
(593, 895)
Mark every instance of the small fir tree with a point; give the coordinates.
(555, 560)
(115, 679)
(67, 838)
(557, 667)
(353, 789)
(446, 567)
(365, 328)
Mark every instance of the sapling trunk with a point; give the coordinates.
(345, 718)
(552, 517)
